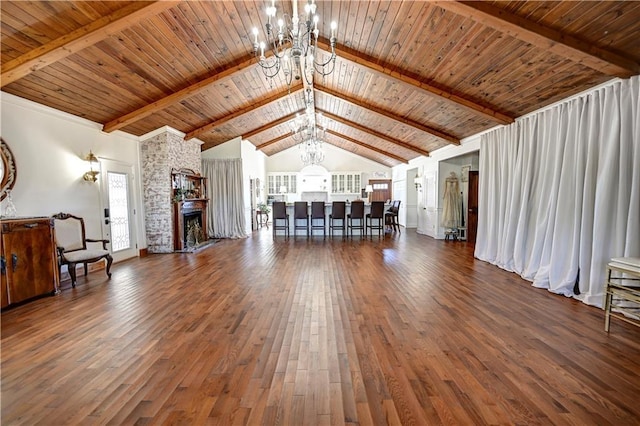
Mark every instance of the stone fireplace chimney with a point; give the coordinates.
(160, 152)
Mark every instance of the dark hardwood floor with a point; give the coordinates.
(403, 330)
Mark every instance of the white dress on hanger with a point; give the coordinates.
(451, 206)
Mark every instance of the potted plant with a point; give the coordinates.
(264, 208)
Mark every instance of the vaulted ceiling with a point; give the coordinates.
(410, 77)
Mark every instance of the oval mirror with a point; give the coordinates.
(7, 169)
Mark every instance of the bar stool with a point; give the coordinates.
(357, 213)
(280, 214)
(391, 216)
(300, 212)
(337, 214)
(317, 214)
(377, 213)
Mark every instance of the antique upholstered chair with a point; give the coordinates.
(72, 246)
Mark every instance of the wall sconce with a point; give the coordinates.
(368, 189)
(91, 175)
(418, 182)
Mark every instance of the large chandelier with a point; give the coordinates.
(294, 44)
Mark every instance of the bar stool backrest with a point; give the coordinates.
(300, 210)
(377, 209)
(317, 210)
(338, 209)
(357, 210)
(279, 210)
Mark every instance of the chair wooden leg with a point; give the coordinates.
(109, 262)
(72, 273)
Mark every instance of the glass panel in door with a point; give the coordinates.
(119, 211)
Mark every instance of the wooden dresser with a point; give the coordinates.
(28, 259)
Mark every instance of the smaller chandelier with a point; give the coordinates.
(293, 44)
(312, 152)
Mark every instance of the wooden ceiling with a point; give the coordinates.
(410, 77)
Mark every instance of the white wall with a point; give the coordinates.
(253, 166)
(49, 147)
(230, 149)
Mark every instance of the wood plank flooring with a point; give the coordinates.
(400, 330)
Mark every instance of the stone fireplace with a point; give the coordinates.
(161, 152)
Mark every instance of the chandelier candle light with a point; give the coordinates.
(293, 44)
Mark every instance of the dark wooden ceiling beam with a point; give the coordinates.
(355, 102)
(551, 40)
(253, 106)
(270, 125)
(364, 145)
(272, 141)
(79, 39)
(178, 96)
(388, 70)
(374, 133)
(260, 129)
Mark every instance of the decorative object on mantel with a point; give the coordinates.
(7, 169)
(187, 185)
(91, 175)
(294, 45)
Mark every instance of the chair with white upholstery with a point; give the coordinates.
(72, 246)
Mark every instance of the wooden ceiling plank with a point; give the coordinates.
(178, 96)
(249, 108)
(374, 133)
(79, 39)
(364, 145)
(353, 101)
(388, 70)
(546, 38)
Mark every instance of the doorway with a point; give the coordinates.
(381, 189)
(118, 210)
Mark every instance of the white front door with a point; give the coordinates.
(118, 209)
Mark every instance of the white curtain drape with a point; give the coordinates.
(226, 217)
(559, 191)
